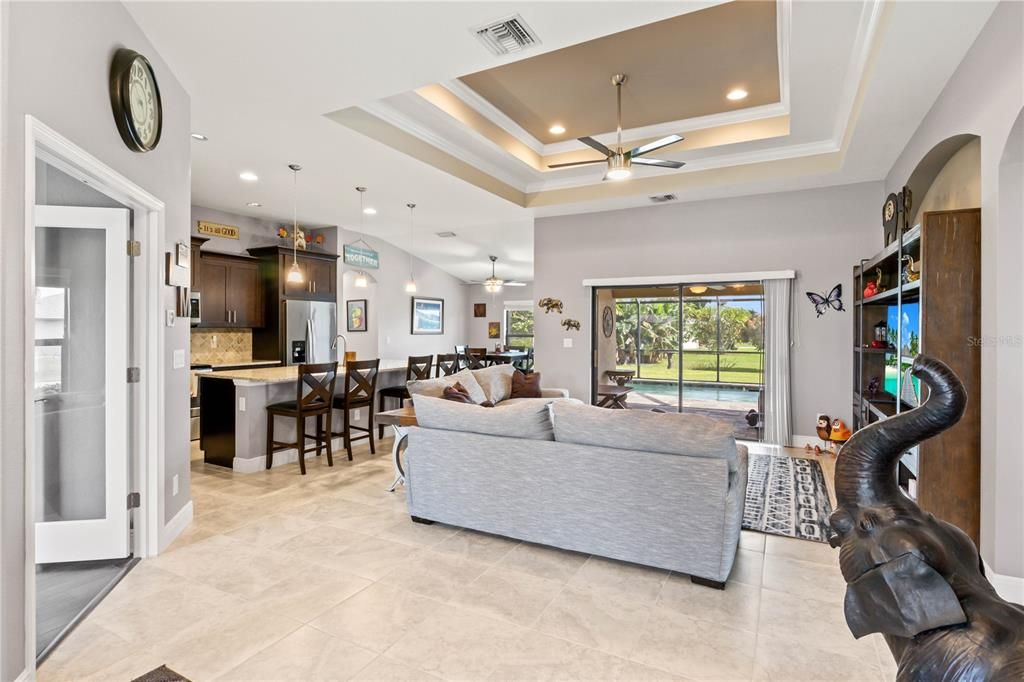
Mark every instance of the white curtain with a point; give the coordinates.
(778, 426)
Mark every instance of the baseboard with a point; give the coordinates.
(25, 676)
(803, 441)
(176, 526)
(1010, 588)
(253, 465)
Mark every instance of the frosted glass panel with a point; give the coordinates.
(70, 374)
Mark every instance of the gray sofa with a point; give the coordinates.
(663, 490)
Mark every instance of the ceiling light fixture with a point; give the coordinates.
(294, 273)
(736, 94)
(410, 286)
(369, 210)
(200, 137)
(698, 289)
(492, 284)
(254, 204)
(557, 129)
(249, 176)
(362, 281)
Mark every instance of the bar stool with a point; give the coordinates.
(478, 358)
(317, 403)
(447, 364)
(417, 367)
(360, 385)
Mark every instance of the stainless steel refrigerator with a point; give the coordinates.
(310, 329)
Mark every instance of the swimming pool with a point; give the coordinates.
(728, 394)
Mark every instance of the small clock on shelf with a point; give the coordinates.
(135, 100)
(890, 217)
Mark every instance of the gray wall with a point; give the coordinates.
(495, 311)
(985, 97)
(57, 58)
(820, 233)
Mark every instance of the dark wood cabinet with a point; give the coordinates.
(194, 263)
(232, 293)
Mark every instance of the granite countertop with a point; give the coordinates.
(281, 375)
(247, 363)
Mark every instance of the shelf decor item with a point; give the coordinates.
(890, 217)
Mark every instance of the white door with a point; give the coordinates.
(81, 411)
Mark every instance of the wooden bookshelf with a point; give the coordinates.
(946, 302)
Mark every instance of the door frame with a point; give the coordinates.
(146, 441)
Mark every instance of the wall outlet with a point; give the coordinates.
(170, 317)
(179, 358)
(355, 414)
(241, 403)
(174, 484)
(567, 343)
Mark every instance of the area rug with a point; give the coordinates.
(161, 674)
(787, 496)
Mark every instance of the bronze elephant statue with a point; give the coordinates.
(916, 579)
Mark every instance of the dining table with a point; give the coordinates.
(506, 356)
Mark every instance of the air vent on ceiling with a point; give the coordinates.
(662, 198)
(445, 235)
(507, 35)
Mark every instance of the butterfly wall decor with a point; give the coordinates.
(823, 303)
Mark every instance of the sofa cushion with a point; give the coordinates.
(525, 385)
(434, 388)
(496, 381)
(528, 419)
(674, 434)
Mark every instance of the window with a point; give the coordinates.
(51, 333)
(518, 328)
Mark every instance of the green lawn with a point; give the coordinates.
(736, 368)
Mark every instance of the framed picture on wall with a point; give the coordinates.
(494, 330)
(355, 315)
(479, 310)
(427, 315)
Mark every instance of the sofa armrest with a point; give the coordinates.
(554, 393)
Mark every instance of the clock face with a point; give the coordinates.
(607, 321)
(890, 210)
(135, 99)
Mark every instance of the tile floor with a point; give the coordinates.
(324, 577)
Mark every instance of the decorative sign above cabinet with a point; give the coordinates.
(361, 256)
(217, 230)
(135, 99)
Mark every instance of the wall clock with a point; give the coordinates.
(135, 99)
(607, 322)
(890, 216)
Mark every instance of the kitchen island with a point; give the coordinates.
(233, 414)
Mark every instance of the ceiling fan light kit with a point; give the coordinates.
(492, 284)
(620, 162)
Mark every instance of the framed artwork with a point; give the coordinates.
(479, 310)
(494, 330)
(427, 315)
(356, 315)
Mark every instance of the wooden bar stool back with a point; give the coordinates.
(317, 402)
(447, 364)
(416, 368)
(360, 385)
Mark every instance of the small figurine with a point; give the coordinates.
(549, 304)
(911, 271)
(824, 431)
(873, 386)
(876, 287)
(839, 435)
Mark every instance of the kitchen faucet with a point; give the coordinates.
(334, 346)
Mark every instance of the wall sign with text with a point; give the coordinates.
(361, 256)
(217, 230)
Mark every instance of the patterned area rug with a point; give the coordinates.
(161, 674)
(787, 496)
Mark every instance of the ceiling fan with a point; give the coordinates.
(493, 284)
(620, 162)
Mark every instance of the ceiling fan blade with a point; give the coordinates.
(594, 144)
(659, 162)
(655, 146)
(576, 163)
(515, 284)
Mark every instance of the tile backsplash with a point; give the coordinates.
(221, 346)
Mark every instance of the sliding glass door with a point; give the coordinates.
(696, 348)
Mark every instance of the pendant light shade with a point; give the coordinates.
(295, 275)
(360, 281)
(410, 286)
(492, 284)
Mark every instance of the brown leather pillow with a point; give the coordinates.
(457, 393)
(525, 385)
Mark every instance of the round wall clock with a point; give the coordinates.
(135, 99)
(890, 216)
(607, 322)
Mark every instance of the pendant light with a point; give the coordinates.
(410, 286)
(361, 281)
(492, 284)
(294, 273)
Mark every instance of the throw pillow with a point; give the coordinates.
(496, 381)
(525, 385)
(458, 393)
(435, 387)
(522, 420)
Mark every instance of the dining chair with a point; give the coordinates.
(477, 358)
(525, 364)
(320, 378)
(447, 364)
(417, 367)
(360, 385)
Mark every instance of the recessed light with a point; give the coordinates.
(446, 234)
(370, 210)
(248, 176)
(736, 94)
(254, 204)
(200, 137)
(557, 129)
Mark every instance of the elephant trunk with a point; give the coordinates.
(865, 473)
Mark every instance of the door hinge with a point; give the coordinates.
(134, 374)
(134, 500)
(134, 247)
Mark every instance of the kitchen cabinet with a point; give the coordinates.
(319, 273)
(232, 292)
(194, 264)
